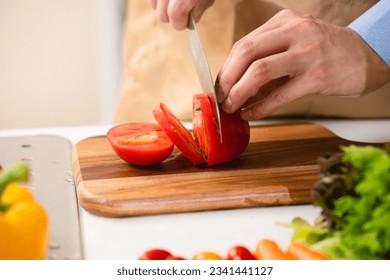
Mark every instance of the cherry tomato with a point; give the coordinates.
(207, 256)
(205, 147)
(240, 253)
(174, 258)
(140, 143)
(156, 254)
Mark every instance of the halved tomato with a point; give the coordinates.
(235, 132)
(140, 143)
(205, 146)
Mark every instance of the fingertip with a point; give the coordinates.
(153, 3)
(227, 105)
(163, 16)
(219, 91)
(247, 115)
(179, 25)
(178, 13)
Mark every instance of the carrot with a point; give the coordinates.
(299, 251)
(267, 249)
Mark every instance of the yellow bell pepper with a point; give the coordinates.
(23, 221)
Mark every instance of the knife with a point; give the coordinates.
(203, 70)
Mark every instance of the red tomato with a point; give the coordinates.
(240, 253)
(235, 132)
(205, 147)
(179, 135)
(140, 143)
(156, 254)
(174, 258)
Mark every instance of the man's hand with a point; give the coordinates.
(176, 12)
(291, 56)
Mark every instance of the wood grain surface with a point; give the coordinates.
(279, 167)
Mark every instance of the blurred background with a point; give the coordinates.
(60, 62)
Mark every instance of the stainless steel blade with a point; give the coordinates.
(203, 69)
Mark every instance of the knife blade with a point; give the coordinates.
(203, 70)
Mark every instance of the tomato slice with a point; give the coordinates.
(178, 134)
(235, 132)
(140, 143)
(205, 129)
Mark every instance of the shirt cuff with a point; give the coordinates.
(374, 27)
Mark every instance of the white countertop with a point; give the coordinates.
(188, 233)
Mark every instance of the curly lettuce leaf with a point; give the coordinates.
(364, 218)
(307, 233)
(354, 195)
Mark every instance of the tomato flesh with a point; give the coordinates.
(142, 144)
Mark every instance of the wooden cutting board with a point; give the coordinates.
(278, 168)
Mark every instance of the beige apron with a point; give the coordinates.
(158, 65)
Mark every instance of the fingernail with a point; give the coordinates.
(247, 114)
(219, 91)
(227, 105)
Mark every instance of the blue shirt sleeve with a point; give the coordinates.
(374, 27)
